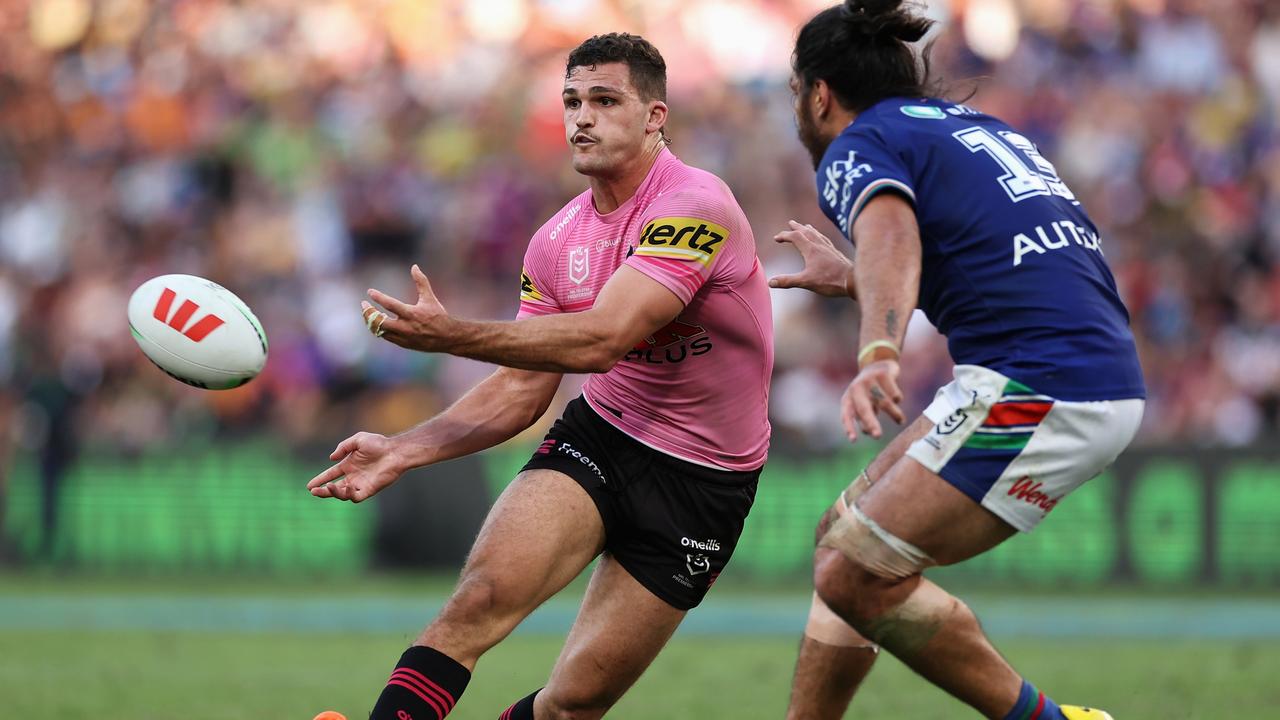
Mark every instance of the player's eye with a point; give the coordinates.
(572, 104)
(607, 101)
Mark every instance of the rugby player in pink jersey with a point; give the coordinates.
(650, 281)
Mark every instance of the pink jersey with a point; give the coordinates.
(698, 388)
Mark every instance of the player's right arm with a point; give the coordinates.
(494, 411)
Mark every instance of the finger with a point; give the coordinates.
(373, 317)
(344, 448)
(396, 332)
(389, 302)
(865, 411)
(321, 492)
(420, 279)
(340, 489)
(326, 477)
(785, 281)
(847, 416)
(893, 397)
(786, 236)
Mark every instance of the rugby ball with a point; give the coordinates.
(197, 331)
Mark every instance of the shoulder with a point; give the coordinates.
(697, 193)
(553, 232)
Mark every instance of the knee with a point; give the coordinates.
(478, 597)
(824, 524)
(853, 592)
(568, 704)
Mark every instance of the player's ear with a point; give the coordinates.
(657, 116)
(821, 99)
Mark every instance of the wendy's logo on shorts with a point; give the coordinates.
(697, 564)
(1028, 491)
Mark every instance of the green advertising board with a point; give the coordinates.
(1161, 518)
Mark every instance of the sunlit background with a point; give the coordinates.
(299, 152)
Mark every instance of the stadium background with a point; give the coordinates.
(156, 541)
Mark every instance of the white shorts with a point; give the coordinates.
(1016, 452)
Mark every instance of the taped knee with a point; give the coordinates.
(880, 552)
(829, 629)
(841, 506)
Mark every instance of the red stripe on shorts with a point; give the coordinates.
(1017, 413)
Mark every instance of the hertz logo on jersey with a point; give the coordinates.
(682, 238)
(527, 290)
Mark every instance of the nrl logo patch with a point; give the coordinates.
(579, 265)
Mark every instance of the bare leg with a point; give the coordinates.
(931, 631)
(539, 535)
(827, 675)
(619, 631)
(826, 678)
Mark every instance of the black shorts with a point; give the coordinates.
(672, 524)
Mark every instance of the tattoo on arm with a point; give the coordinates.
(891, 322)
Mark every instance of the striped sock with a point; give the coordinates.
(522, 709)
(1034, 705)
(425, 685)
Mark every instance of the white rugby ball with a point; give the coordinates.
(197, 331)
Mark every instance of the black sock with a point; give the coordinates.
(425, 685)
(522, 710)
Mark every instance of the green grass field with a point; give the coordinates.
(86, 670)
(201, 676)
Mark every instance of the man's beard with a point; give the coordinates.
(807, 129)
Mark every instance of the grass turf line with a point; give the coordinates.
(68, 675)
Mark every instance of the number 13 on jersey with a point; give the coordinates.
(1020, 180)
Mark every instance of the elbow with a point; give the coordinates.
(599, 359)
(602, 353)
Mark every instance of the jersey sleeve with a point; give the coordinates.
(859, 164)
(535, 286)
(682, 241)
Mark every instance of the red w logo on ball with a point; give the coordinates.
(197, 332)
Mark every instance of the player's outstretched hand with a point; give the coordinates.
(873, 391)
(826, 270)
(421, 326)
(367, 463)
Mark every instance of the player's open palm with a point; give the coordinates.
(873, 391)
(826, 270)
(367, 463)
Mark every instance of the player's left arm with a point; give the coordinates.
(630, 307)
(887, 276)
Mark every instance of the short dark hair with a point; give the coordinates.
(861, 48)
(648, 69)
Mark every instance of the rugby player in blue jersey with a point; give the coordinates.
(954, 212)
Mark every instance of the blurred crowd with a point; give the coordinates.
(300, 152)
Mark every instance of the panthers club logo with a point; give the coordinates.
(697, 564)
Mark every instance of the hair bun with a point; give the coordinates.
(884, 19)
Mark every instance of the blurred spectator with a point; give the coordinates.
(301, 152)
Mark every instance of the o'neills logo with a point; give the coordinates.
(1029, 492)
(708, 544)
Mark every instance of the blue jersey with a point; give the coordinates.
(1012, 269)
